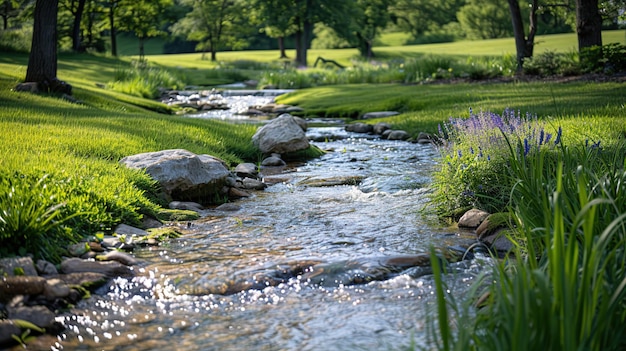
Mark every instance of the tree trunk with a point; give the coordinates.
(298, 37)
(281, 46)
(306, 41)
(113, 31)
(524, 46)
(588, 24)
(76, 29)
(42, 62)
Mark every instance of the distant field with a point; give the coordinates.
(493, 47)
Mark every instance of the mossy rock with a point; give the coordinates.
(168, 215)
(310, 153)
(163, 233)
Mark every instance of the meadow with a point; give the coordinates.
(565, 287)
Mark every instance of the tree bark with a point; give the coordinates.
(281, 46)
(42, 62)
(588, 24)
(76, 29)
(524, 46)
(113, 31)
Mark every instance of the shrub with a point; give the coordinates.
(474, 159)
(546, 64)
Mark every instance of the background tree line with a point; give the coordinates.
(210, 26)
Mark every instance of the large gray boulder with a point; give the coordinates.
(182, 174)
(281, 135)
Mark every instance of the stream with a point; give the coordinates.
(303, 265)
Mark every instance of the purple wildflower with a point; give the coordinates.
(558, 136)
(541, 136)
(526, 146)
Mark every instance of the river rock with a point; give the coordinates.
(281, 135)
(124, 229)
(38, 315)
(7, 330)
(498, 241)
(235, 193)
(118, 256)
(301, 122)
(379, 128)
(273, 161)
(21, 265)
(379, 114)
(246, 170)
(398, 135)
(359, 128)
(109, 268)
(87, 280)
(20, 285)
(424, 138)
(253, 184)
(182, 175)
(46, 268)
(56, 288)
(472, 218)
(185, 205)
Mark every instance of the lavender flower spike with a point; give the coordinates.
(558, 136)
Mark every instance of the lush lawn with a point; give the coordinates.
(424, 107)
(494, 47)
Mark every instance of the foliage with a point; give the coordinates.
(566, 288)
(144, 18)
(144, 80)
(214, 24)
(485, 19)
(421, 16)
(31, 219)
(609, 58)
(16, 40)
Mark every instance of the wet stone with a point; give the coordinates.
(118, 256)
(46, 268)
(56, 288)
(38, 315)
(20, 265)
(108, 268)
(21, 285)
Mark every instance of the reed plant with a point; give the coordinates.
(565, 287)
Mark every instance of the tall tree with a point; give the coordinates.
(366, 19)
(42, 62)
(144, 18)
(112, 5)
(588, 24)
(213, 24)
(276, 19)
(8, 10)
(306, 13)
(76, 8)
(524, 45)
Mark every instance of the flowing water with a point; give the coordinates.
(324, 259)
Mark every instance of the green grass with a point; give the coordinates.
(495, 47)
(587, 106)
(75, 148)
